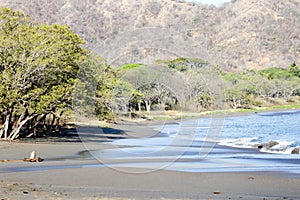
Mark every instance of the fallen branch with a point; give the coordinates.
(25, 160)
(32, 158)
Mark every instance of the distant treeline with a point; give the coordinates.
(198, 85)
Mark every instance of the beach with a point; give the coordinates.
(68, 173)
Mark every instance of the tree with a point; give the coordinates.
(153, 85)
(237, 98)
(93, 90)
(158, 94)
(204, 100)
(123, 93)
(38, 67)
(294, 69)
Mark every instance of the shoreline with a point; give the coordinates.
(69, 175)
(177, 116)
(117, 126)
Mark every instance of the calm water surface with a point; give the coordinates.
(216, 145)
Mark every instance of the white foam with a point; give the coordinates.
(283, 147)
(240, 142)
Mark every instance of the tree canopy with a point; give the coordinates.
(38, 67)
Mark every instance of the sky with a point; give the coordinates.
(209, 2)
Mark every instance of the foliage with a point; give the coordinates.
(93, 92)
(123, 92)
(243, 89)
(276, 73)
(204, 100)
(239, 36)
(267, 83)
(148, 87)
(184, 64)
(294, 69)
(237, 98)
(38, 68)
(130, 66)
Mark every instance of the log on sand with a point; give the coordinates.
(32, 158)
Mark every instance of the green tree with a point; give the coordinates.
(204, 100)
(295, 70)
(93, 95)
(123, 93)
(154, 86)
(38, 68)
(237, 98)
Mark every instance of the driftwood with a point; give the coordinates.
(32, 158)
(25, 160)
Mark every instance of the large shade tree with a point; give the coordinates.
(38, 68)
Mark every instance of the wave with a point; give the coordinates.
(240, 142)
(272, 146)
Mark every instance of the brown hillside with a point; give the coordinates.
(243, 34)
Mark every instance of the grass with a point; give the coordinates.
(176, 115)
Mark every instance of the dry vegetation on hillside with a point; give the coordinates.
(243, 34)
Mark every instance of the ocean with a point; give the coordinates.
(280, 128)
(254, 142)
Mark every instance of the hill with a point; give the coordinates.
(251, 34)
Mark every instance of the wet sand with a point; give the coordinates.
(82, 182)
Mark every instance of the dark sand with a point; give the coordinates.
(77, 182)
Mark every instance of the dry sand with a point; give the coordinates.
(77, 182)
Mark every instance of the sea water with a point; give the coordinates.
(273, 132)
(279, 128)
(253, 142)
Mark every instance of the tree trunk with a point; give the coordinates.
(57, 123)
(148, 105)
(50, 126)
(1, 131)
(7, 124)
(163, 105)
(37, 122)
(15, 133)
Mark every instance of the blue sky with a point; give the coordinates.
(215, 2)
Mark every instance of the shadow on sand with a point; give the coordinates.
(76, 134)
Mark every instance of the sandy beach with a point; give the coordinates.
(68, 174)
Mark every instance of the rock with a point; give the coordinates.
(271, 144)
(267, 145)
(296, 151)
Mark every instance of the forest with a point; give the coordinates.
(47, 74)
(192, 84)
